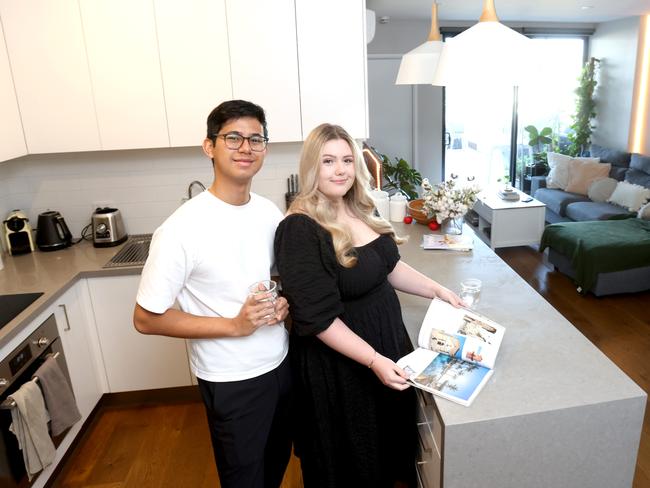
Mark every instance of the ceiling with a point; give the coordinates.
(573, 11)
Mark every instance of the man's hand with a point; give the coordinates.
(256, 311)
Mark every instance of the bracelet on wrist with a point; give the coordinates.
(372, 361)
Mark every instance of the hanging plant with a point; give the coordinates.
(581, 129)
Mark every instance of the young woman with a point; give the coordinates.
(340, 267)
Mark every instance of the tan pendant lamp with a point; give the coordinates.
(488, 53)
(419, 65)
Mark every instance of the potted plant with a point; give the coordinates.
(539, 142)
(580, 137)
(400, 176)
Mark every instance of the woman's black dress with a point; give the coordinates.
(351, 429)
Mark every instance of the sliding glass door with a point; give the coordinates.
(478, 133)
(480, 122)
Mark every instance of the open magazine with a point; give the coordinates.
(448, 242)
(456, 353)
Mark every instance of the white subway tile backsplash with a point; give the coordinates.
(146, 185)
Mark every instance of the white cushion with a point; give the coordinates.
(558, 177)
(601, 190)
(644, 212)
(629, 195)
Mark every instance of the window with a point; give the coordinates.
(479, 124)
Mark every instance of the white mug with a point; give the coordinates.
(397, 207)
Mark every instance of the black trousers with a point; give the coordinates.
(250, 428)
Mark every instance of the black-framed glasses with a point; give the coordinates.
(234, 141)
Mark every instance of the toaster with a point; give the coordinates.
(108, 227)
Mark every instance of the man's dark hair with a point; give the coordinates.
(231, 110)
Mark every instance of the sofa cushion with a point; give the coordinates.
(641, 163)
(583, 174)
(601, 190)
(557, 200)
(639, 172)
(618, 173)
(558, 176)
(637, 177)
(582, 211)
(620, 160)
(630, 195)
(644, 212)
(611, 156)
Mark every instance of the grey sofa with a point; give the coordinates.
(562, 206)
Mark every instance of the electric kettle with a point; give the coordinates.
(52, 232)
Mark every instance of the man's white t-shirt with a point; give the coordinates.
(206, 255)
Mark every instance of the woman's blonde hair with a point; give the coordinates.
(313, 203)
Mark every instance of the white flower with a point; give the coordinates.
(444, 200)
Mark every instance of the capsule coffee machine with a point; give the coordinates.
(17, 233)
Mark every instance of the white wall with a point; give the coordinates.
(146, 185)
(615, 44)
(404, 120)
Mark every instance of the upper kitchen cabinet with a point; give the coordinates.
(264, 62)
(195, 63)
(125, 72)
(12, 142)
(332, 60)
(45, 43)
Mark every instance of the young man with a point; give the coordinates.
(206, 255)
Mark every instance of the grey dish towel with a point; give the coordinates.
(29, 425)
(58, 395)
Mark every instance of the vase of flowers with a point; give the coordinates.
(448, 203)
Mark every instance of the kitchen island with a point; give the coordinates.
(556, 413)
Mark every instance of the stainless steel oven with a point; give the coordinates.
(17, 368)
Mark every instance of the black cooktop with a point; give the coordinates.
(12, 305)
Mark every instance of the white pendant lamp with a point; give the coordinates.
(419, 65)
(487, 53)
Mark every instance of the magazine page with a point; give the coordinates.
(460, 333)
(463, 242)
(445, 376)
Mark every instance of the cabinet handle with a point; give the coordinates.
(65, 312)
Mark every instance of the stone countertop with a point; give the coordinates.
(544, 363)
(52, 273)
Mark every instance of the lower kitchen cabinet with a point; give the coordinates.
(133, 361)
(429, 459)
(76, 328)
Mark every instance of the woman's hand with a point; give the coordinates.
(389, 373)
(449, 296)
(281, 311)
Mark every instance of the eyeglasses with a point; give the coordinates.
(234, 141)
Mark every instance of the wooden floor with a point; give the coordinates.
(167, 444)
(161, 444)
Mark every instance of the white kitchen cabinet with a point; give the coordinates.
(195, 64)
(133, 361)
(76, 331)
(332, 64)
(264, 62)
(12, 142)
(50, 70)
(125, 73)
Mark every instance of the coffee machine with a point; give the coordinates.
(17, 233)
